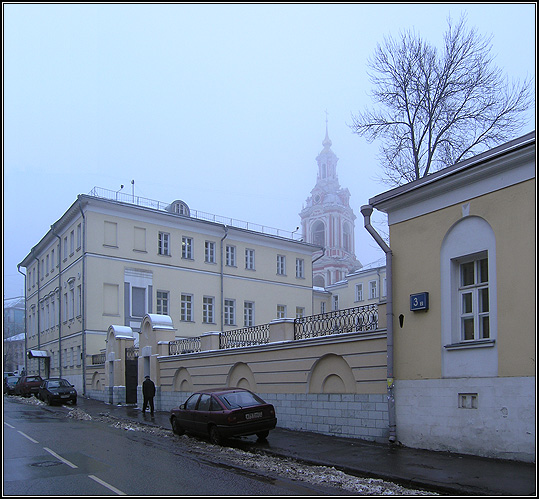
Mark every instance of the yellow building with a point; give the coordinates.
(464, 269)
(113, 258)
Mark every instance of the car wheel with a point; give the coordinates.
(74, 401)
(215, 436)
(176, 428)
(262, 435)
(49, 401)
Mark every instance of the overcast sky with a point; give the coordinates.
(222, 106)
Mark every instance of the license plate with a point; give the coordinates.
(64, 396)
(253, 415)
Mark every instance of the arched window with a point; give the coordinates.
(318, 233)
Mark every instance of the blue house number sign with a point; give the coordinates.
(419, 301)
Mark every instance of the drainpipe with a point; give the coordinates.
(38, 312)
(312, 263)
(222, 277)
(53, 228)
(366, 211)
(83, 301)
(25, 321)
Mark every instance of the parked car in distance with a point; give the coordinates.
(9, 384)
(28, 385)
(221, 413)
(57, 390)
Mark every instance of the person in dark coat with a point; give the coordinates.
(148, 393)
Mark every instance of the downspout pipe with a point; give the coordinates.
(225, 227)
(25, 318)
(366, 211)
(53, 228)
(83, 300)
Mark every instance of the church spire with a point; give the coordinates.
(327, 142)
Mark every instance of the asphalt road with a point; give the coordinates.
(46, 453)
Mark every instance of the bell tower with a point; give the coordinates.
(327, 220)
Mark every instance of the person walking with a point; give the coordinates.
(148, 393)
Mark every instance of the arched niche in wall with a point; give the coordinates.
(182, 380)
(331, 374)
(241, 376)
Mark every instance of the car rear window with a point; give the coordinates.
(234, 400)
(33, 378)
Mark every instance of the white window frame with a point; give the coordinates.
(186, 307)
(359, 291)
(162, 302)
(248, 313)
(209, 251)
(230, 255)
(230, 312)
(373, 290)
(187, 248)
(249, 259)
(208, 310)
(281, 311)
(281, 265)
(163, 243)
(300, 268)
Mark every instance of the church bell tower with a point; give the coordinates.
(327, 220)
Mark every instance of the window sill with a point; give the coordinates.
(471, 344)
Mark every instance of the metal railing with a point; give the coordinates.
(184, 345)
(247, 336)
(356, 319)
(98, 358)
(123, 197)
(131, 353)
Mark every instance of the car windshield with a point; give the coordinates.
(57, 383)
(12, 380)
(33, 378)
(240, 399)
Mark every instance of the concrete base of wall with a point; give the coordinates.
(490, 417)
(345, 415)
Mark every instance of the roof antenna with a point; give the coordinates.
(121, 187)
(133, 190)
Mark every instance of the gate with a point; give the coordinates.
(131, 375)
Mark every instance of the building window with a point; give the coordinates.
(79, 236)
(300, 312)
(318, 233)
(186, 313)
(248, 314)
(187, 248)
(281, 265)
(231, 256)
(359, 292)
(79, 300)
(373, 290)
(250, 259)
(323, 307)
(230, 312)
(163, 243)
(209, 252)
(300, 268)
(474, 300)
(208, 309)
(336, 302)
(281, 311)
(65, 246)
(162, 302)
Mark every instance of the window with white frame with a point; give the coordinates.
(79, 236)
(230, 312)
(281, 311)
(186, 310)
(323, 307)
(208, 309)
(281, 264)
(248, 313)
(72, 242)
(249, 259)
(138, 301)
(163, 243)
(209, 252)
(474, 299)
(335, 302)
(79, 300)
(300, 268)
(162, 302)
(187, 248)
(230, 254)
(300, 312)
(359, 292)
(373, 290)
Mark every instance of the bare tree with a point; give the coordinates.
(439, 107)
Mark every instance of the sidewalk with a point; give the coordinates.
(438, 471)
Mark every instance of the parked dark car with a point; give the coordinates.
(28, 385)
(224, 412)
(9, 384)
(57, 390)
